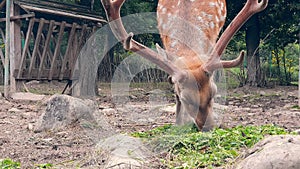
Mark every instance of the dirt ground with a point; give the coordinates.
(72, 147)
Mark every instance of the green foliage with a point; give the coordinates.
(285, 63)
(188, 148)
(9, 164)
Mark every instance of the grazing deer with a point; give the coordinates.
(189, 31)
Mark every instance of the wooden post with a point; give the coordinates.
(46, 47)
(57, 49)
(15, 46)
(7, 50)
(25, 48)
(36, 47)
(67, 54)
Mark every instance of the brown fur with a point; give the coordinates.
(175, 17)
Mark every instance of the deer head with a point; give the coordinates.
(189, 30)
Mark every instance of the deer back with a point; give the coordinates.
(189, 28)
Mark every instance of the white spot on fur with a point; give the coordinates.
(222, 18)
(164, 10)
(200, 18)
(222, 5)
(212, 25)
(219, 11)
(160, 6)
(178, 3)
(217, 19)
(174, 43)
(212, 4)
(209, 16)
(192, 0)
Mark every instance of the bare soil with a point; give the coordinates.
(72, 147)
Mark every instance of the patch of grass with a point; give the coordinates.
(188, 148)
(296, 83)
(295, 107)
(9, 164)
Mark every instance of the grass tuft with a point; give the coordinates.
(185, 147)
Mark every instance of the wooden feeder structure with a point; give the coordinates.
(46, 37)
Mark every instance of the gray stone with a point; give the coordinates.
(109, 111)
(262, 93)
(63, 110)
(274, 152)
(14, 110)
(124, 152)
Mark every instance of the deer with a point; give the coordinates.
(184, 25)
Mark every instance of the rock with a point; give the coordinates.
(124, 152)
(246, 109)
(30, 127)
(281, 151)
(27, 96)
(133, 97)
(230, 102)
(246, 96)
(14, 110)
(262, 93)
(109, 111)
(63, 110)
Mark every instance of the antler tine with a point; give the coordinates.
(251, 7)
(235, 62)
(112, 9)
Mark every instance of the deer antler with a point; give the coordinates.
(112, 9)
(251, 7)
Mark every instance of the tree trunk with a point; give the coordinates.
(287, 81)
(278, 67)
(252, 42)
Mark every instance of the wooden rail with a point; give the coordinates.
(42, 55)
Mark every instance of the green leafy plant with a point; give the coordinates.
(187, 148)
(9, 164)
